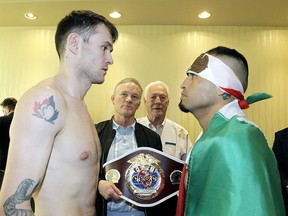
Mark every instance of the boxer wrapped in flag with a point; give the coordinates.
(231, 169)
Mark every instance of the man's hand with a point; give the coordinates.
(108, 190)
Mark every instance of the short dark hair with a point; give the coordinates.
(10, 103)
(240, 66)
(84, 22)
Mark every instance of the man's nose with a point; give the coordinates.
(109, 59)
(129, 98)
(157, 99)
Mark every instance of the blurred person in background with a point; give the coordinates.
(280, 149)
(8, 106)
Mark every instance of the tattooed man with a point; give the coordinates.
(54, 149)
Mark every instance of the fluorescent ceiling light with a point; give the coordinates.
(30, 16)
(115, 15)
(204, 15)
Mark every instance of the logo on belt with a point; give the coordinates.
(145, 178)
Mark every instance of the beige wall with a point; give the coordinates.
(151, 53)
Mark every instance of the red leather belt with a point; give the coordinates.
(145, 176)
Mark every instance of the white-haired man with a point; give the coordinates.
(175, 138)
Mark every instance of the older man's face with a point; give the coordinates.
(126, 99)
(157, 101)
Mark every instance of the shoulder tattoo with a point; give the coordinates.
(46, 110)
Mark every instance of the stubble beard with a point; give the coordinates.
(99, 82)
(182, 107)
(99, 79)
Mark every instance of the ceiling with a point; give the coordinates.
(151, 12)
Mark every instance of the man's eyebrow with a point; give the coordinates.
(107, 43)
(158, 94)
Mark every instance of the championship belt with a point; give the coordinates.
(145, 176)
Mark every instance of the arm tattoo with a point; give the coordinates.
(21, 195)
(46, 110)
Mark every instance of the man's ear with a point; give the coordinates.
(112, 98)
(73, 41)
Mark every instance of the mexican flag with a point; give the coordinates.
(231, 172)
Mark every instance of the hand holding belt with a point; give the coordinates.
(145, 176)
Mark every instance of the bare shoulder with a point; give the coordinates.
(43, 103)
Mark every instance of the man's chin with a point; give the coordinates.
(99, 81)
(182, 107)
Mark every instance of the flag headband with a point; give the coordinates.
(217, 72)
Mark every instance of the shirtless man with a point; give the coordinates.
(54, 150)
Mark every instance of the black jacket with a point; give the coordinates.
(144, 138)
(5, 122)
(280, 149)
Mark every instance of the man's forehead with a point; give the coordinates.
(157, 88)
(129, 86)
(200, 64)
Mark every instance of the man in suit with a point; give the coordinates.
(280, 149)
(8, 107)
(117, 136)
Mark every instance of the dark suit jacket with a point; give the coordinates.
(280, 149)
(144, 138)
(5, 122)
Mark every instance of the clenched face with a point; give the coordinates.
(126, 99)
(157, 101)
(95, 56)
(197, 92)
